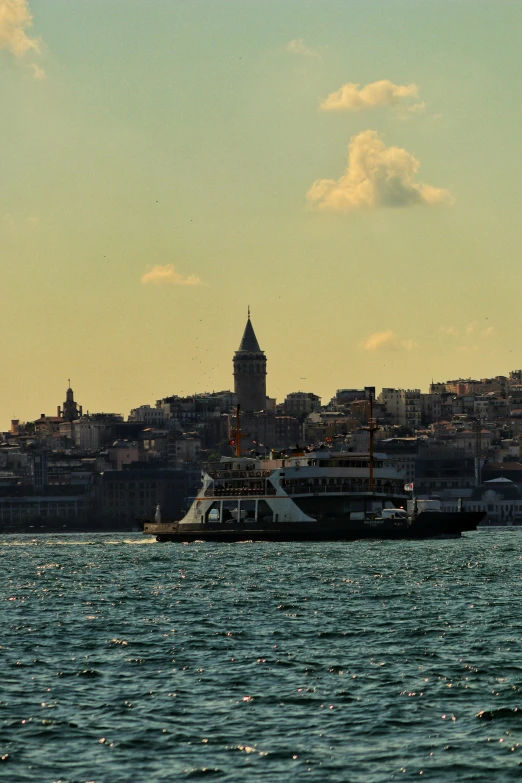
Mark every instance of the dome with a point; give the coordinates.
(502, 487)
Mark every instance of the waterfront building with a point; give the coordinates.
(440, 467)
(135, 492)
(500, 499)
(21, 512)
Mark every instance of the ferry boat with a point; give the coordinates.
(318, 495)
(309, 495)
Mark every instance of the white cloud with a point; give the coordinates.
(352, 97)
(15, 18)
(376, 176)
(167, 273)
(389, 341)
(298, 46)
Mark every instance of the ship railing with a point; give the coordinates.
(250, 475)
(239, 490)
(323, 489)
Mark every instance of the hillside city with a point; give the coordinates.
(459, 442)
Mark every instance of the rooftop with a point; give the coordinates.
(249, 342)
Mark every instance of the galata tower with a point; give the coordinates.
(250, 372)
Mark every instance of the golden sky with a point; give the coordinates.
(349, 170)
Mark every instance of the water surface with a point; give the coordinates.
(361, 662)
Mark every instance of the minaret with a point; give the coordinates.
(250, 372)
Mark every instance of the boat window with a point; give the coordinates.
(264, 512)
(213, 515)
(248, 510)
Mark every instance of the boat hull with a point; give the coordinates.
(425, 525)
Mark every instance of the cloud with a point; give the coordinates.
(159, 275)
(467, 348)
(376, 176)
(415, 108)
(352, 97)
(15, 18)
(450, 330)
(471, 330)
(389, 341)
(167, 274)
(378, 340)
(298, 46)
(38, 72)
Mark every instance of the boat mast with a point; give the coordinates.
(238, 430)
(236, 434)
(372, 427)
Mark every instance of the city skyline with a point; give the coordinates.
(348, 170)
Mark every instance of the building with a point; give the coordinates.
(431, 407)
(347, 396)
(91, 431)
(263, 431)
(403, 406)
(151, 417)
(47, 426)
(438, 468)
(250, 372)
(135, 492)
(401, 454)
(71, 410)
(301, 403)
(26, 512)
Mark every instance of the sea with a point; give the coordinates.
(124, 660)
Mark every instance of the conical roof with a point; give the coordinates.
(249, 342)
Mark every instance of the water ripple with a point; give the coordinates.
(361, 662)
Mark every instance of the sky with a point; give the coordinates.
(351, 171)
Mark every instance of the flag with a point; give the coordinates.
(408, 487)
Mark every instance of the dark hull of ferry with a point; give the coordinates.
(428, 524)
